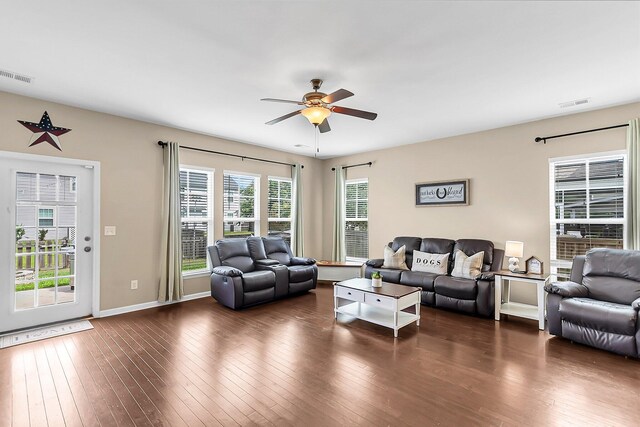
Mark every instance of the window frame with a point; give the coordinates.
(269, 199)
(256, 203)
(210, 219)
(587, 159)
(349, 182)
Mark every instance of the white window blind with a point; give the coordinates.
(196, 211)
(587, 209)
(241, 207)
(357, 219)
(279, 208)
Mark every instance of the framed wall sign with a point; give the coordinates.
(443, 193)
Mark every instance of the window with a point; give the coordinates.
(196, 211)
(241, 207)
(587, 208)
(45, 217)
(279, 207)
(356, 232)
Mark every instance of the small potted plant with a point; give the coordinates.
(376, 279)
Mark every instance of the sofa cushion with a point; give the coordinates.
(467, 267)
(613, 263)
(430, 263)
(277, 248)
(473, 246)
(395, 258)
(258, 280)
(418, 278)
(300, 273)
(437, 246)
(389, 275)
(456, 287)
(599, 315)
(612, 275)
(235, 253)
(410, 243)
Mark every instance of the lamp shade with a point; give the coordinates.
(514, 249)
(316, 115)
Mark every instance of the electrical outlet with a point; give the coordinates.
(134, 284)
(109, 230)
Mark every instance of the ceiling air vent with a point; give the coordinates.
(574, 103)
(15, 76)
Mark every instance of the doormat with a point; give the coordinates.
(45, 332)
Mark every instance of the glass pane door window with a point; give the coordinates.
(45, 245)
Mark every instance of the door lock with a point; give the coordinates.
(87, 248)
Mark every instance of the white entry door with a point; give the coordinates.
(46, 241)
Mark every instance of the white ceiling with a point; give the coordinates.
(429, 69)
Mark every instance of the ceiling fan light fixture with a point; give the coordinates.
(316, 115)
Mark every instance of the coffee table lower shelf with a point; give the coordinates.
(376, 315)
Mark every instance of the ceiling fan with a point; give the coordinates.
(318, 107)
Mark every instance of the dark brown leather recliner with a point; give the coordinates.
(474, 296)
(245, 273)
(300, 274)
(235, 280)
(599, 306)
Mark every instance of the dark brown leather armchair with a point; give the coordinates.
(599, 306)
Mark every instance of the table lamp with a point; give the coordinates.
(514, 250)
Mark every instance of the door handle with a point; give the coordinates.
(87, 248)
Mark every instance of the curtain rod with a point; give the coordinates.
(163, 144)
(354, 166)
(544, 138)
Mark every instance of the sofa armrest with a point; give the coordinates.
(302, 261)
(375, 263)
(498, 258)
(487, 275)
(567, 289)
(266, 262)
(636, 304)
(224, 270)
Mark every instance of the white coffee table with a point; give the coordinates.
(383, 306)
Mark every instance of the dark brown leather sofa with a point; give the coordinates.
(254, 270)
(599, 306)
(465, 295)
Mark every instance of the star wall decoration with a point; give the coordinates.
(44, 131)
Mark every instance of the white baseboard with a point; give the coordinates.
(150, 304)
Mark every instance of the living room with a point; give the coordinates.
(114, 133)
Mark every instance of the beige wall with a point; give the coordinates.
(508, 175)
(131, 163)
(509, 182)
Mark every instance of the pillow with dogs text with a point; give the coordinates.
(430, 263)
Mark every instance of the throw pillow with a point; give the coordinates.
(467, 267)
(395, 259)
(430, 263)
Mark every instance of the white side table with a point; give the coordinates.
(504, 305)
(337, 271)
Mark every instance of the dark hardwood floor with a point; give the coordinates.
(288, 363)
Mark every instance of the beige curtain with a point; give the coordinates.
(171, 287)
(339, 251)
(633, 199)
(297, 237)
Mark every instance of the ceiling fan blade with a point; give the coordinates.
(282, 100)
(286, 116)
(355, 113)
(336, 96)
(324, 126)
